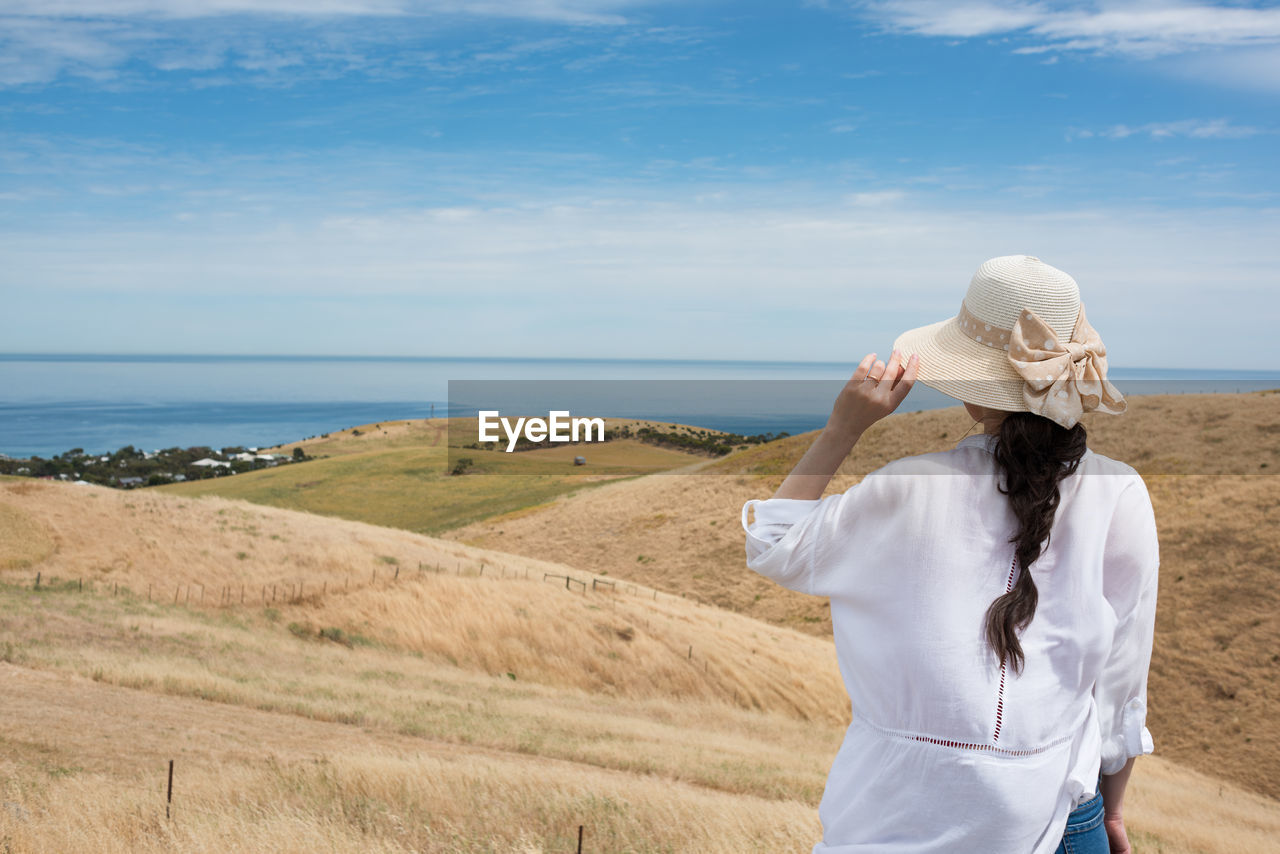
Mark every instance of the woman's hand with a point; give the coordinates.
(1116, 837)
(873, 392)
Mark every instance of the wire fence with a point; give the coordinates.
(297, 591)
(162, 794)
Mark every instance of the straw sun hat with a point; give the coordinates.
(1019, 343)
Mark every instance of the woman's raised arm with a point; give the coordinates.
(874, 391)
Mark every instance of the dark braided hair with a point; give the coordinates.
(1034, 453)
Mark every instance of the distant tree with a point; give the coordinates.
(298, 454)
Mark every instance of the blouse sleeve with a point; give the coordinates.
(1131, 559)
(787, 539)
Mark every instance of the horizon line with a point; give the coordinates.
(69, 355)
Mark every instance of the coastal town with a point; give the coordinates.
(130, 467)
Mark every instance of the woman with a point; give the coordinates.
(993, 604)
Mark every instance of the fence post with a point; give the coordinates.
(168, 798)
(37, 581)
(579, 839)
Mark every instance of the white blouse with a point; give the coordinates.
(948, 751)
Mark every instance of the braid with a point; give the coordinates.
(1034, 453)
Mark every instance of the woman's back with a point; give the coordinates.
(948, 748)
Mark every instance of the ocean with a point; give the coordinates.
(52, 403)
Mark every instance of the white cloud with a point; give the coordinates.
(636, 269)
(1190, 128)
(572, 11)
(1141, 28)
(875, 199)
(1243, 68)
(42, 40)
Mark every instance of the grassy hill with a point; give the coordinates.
(435, 708)
(1214, 679)
(398, 474)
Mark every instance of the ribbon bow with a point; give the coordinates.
(1062, 379)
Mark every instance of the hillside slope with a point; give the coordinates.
(397, 473)
(451, 712)
(476, 609)
(1214, 681)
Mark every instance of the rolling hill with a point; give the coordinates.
(398, 474)
(1208, 461)
(438, 707)
(324, 682)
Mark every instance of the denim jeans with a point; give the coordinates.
(1085, 833)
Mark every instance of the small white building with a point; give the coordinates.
(211, 463)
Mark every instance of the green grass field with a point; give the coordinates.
(397, 474)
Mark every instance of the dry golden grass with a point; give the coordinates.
(369, 802)
(406, 590)
(617, 644)
(385, 435)
(392, 802)
(23, 540)
(249, 780)
(142, 537)
(283, 743)
(1214, 686)
(143, 671)
(415, 738)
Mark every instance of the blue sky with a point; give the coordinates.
(785, 180)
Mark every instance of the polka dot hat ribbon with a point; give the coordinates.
(1061, 380)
